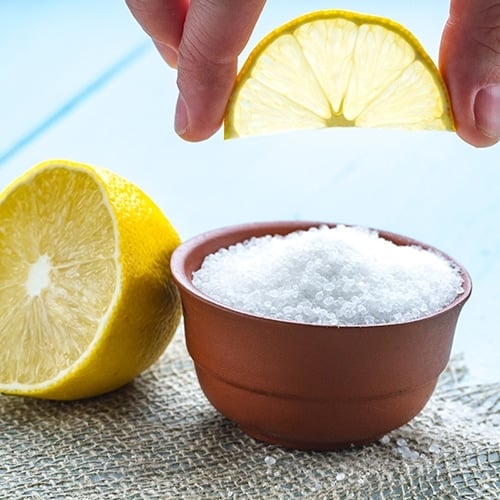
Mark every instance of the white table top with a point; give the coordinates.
(80, 80)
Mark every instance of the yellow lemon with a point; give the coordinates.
(86, 297)
(337, 68)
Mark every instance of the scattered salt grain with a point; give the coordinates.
(404, 451)
(269, 460)
(340, 476)
(434, 448)
(336, 276)
(385, 440)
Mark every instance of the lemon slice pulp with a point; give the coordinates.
(337, 68)
(86, 297)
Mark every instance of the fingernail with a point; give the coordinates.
(181, 116)
(487, 111)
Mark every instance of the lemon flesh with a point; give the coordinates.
(337, 68)
(86, 297)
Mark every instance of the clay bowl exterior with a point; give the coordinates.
(309, 386)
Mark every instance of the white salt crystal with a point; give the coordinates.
(336, 276)
(434, 448)
(340, 476)
(270, 460)
(404, 451)
(385, 440)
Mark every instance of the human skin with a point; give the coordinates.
(203, 38)
(469, 60)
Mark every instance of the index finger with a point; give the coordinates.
(163, 21)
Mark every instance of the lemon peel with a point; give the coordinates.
(87, 301)
(335, 68)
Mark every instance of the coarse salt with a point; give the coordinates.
(332, 276)
(385, 440)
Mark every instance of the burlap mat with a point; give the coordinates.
(159, 438)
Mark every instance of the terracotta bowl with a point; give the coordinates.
(309, 386)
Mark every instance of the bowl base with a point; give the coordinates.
(285, 442)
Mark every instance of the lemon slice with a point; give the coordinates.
(337, 68)
(86, 297)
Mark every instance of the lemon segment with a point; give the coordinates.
(86, 297)
(337, 68)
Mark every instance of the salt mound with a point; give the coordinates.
(330, 276)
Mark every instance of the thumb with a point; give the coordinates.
(214, 34)
(469, 60)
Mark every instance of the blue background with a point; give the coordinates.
(80, 80)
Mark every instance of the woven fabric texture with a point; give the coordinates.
(158, 437)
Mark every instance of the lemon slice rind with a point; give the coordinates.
(337, 68)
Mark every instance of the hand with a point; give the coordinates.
(470, 64)
(203, 39)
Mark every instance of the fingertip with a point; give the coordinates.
(186, 129)
(162, 20)
(480, 126)
(169, 54)
(205, 90)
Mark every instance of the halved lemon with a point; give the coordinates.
(337, 68)
(86, 297)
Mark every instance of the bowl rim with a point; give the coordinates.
(181, 253)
